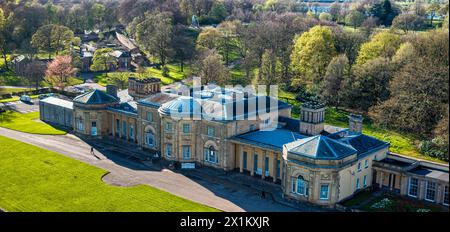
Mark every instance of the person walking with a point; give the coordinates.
(92, 151)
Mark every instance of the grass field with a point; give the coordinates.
(35, 179)
(27, 123)
(12, 90)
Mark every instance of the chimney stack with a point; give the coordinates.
(111, 90)
(355, 123)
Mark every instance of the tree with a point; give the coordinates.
(312, 52)
(155, 32)
(325, 16)
(432, 9)
(354, 18)
(383, 44)
(335, 11)
(337, 71)
(35, 72)
(212, 69)
(408, 22)
(5, 36)
(384, 11)
(371, 81)
(208, 38)
(348, 42)
(268, 70)
(59, 71)
(218, 12)
(183, 46)
(52, 38)
(120, 79)
(103, 60)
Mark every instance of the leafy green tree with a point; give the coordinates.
(212, 69)
(208, 38)
(325, 16)
(120, 79)
(103, 60)
(52, 38)
(155, 33)
(383, 44)
(268, 75)
(408, 22)
(311, 54)
(218, 12)
(337, 71)
(384, 11)
(354, 18)
(371, 81)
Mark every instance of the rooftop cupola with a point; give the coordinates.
(141, 88)
(312, 116)
(355, 123)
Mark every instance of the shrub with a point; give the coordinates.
(165, 71)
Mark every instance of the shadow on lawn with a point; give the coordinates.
(8, 116)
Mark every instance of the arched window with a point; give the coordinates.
(210, 154)
(149, 138)
(300, 185)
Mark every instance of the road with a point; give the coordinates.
(123, 171)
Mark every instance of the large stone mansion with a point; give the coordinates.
(311, 161)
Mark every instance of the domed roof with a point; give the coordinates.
(183, 106)
(320, 147)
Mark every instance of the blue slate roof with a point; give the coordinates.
(95, 97)
(220, 110)
(361, 142)
(320, 147)
(125, 108)
(273, 138)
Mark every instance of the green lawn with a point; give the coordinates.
(12, 90)
(27, 123)
(35, 179)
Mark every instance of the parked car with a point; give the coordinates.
(45, 95)
(25, 98)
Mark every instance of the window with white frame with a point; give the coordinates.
(211, 131)
(168, 150)
(80, 124)
(366, 164)
(445, 200)
(413, 187)
(301, 186)
(324, 192)
(365, 181)
(186, 128)
(359, 166)
(430, 192)
(149, 116)
(168, 126)
(211, 155)
(186, 151)
(149, 138)
(357, 183)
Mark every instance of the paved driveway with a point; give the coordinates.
(22, 107)
(217, 193)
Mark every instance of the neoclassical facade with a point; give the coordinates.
(231, 129)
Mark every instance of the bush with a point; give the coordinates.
(434, 148)
(165, 71)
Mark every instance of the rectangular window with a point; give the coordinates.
(359, 166)
(445, 201)
(186, 152)
(413, 187)
(168, 127)
(245, 160)
(186, 128)
(365, 181)
(324, 192)
(168, 150)
(255, 162)
(431, 191)
(124, 129)
(211, 155)
(211, 131)
(251, 127)
(278, 168)
(80, 125)
(266, 164)
(117, 126)
(293, 184)
(132, 132)
(357, 184)
(366, 164)
(149, 116)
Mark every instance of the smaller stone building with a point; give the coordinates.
(56, 111)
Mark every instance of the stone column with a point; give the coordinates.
(274, 166)
(252, 167)
(113, 128)
(241, 157)
(263, 165)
